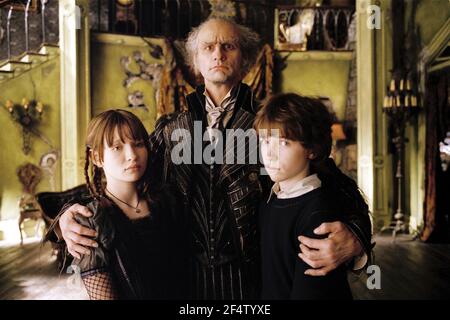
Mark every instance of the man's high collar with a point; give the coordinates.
(231, 95)
(244, 100)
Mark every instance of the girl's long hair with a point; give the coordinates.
(101, 131)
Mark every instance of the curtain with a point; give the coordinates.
(436, 204)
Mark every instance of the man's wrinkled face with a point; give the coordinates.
(218, 56)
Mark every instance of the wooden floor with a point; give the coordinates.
(31, 272)
(409, 270)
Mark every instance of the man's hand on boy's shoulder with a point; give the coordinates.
(325, 255)
(76, 236)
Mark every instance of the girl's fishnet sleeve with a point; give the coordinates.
(100, 286)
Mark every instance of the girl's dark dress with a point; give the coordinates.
(145, 257)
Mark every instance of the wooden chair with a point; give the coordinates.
(29, 176)
(29, 209)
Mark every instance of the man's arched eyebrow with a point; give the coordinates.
(227, 41)
(204, 43)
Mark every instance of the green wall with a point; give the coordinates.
(40, 83)
(430, 17)
(107, 76)
(318, 74)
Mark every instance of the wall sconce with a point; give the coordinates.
(28, 115)
(400, 95)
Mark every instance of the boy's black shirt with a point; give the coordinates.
(281, 221)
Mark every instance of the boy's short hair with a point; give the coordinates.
(298, 118)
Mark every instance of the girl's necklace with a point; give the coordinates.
(135, 208)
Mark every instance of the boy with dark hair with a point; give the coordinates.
(295, 136)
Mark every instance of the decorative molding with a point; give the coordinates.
(439, 42)
(383, 169)
(318, 55)
(75, 88)
(118, 39)
(366, 101)
(439, 67)
(69, 99)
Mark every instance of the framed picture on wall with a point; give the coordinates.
(20, 4)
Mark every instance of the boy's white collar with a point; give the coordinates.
(296, 188)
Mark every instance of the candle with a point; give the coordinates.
(414, 101)
(9, 105)
(408, 85)
(392, 85)
(386, 102)
(401, 84)
(407, 99)
(25, 103)
(39, 107)
(398, 101)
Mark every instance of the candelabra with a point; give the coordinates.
(28, 115)
(400, 104)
